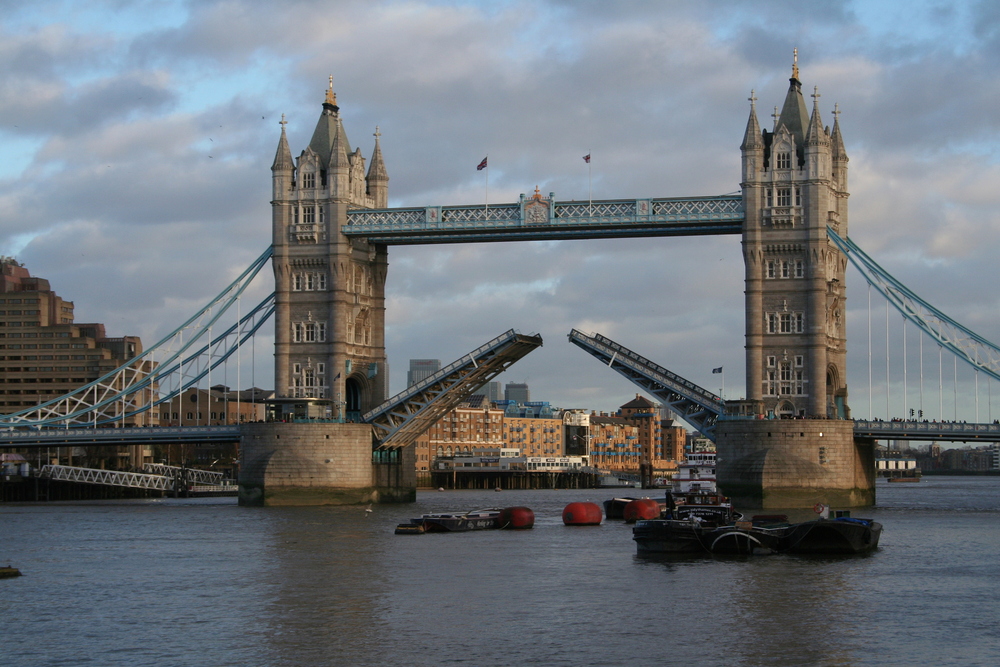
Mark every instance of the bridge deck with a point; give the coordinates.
(540, 218)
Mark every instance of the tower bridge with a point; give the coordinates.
(336, 438)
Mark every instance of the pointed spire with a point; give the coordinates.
(338, 151)
(328, 127)
(794, 115)
(752, 138)
(283, 156)
(816, 136)
(331, 97)
(836, 140)
(376, 170)
(795, 66)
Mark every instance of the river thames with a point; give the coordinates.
(205, 582)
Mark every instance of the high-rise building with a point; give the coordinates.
(420, 369)
(492, 391)
(517, 391)
(43, 352)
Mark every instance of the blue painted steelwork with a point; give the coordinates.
(400, 420)
(921, 430)
(697, 406)
(967, 345)
(82, 437)
(542, 218)
(145, 380)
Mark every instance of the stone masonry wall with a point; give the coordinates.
(313, 464)
(794, 463)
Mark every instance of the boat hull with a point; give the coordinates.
(832, 537)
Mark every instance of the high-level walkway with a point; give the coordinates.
(540, 218)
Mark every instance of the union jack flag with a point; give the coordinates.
(482, 165)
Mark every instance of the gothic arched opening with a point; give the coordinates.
(352, 388)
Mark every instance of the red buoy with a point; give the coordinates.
(516, 518)
(582, 514)
(641, 508)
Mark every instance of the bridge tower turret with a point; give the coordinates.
(330, 289)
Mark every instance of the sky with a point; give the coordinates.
(137, 139)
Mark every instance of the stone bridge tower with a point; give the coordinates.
(794, 186)
(330, 290)
(802, 451)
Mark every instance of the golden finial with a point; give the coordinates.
(795, 64)
(331, 97)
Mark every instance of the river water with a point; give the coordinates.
(205, 582)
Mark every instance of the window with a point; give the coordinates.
(308, 215)
(309, 180)
(799, 269)
(798, 197)
(770, 269)
(297, 282)
(783, 161)
(770, 198)
(310, 281)
(784, 323)
(784, 270)
(771, 360)
(784, 196)
(798, 361)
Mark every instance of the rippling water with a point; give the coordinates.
(204, 582)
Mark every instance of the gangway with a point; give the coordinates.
(697, 406)
(192, 475)
(404, 417)
(131, 480)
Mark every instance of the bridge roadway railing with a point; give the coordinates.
(542, 218)
(922, 430)
(82, 437)
(132, 480)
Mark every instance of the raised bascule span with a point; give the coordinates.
(403, 418)
(696, 405)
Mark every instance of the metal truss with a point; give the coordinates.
(192, 475)
(967, 345)
(132, 480)
(404, 417)
(534, 219)
(697, 406)
(177, 362)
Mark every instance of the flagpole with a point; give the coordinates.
(590, 189)
(487, 186)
